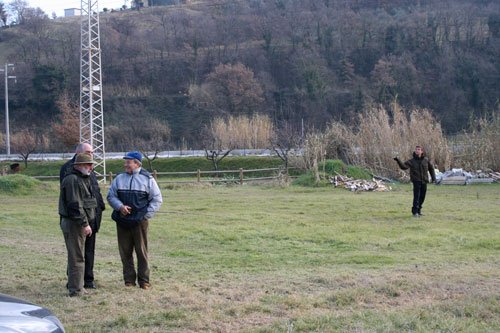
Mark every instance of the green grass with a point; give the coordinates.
(264, 259)
(19, 184)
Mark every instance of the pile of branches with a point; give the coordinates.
(359, 185)
(495, 176)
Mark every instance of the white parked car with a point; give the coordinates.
(19, 316)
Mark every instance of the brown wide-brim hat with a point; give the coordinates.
(83, 159)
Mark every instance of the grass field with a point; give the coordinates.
(268, 259)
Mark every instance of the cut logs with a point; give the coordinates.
(495, 176)
(359, 185)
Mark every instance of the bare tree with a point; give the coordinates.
(68, 127)
(286, 139)
(314, 152)
(26, 142)
(217, 143)
(155, 138)
(229, 89)
(3, 14)
(147, 134)
(19, 8)
(225, 134)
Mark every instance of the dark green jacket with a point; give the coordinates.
(77, 201)
(67, 169)
(420, 167)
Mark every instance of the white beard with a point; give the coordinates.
(84, 170)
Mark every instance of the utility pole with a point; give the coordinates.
(302, 129)
(91, 109)
(7, 128)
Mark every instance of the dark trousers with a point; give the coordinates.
(419, 191)
(75, 246)
(128, 241)
(89, 258)
(90, 248)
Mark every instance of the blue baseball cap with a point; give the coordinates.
(133, 155)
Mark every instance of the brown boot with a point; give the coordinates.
(145, 286)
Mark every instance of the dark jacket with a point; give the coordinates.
(420, 167)
(67, 169)
(76, 200)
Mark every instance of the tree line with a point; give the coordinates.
(312, 62)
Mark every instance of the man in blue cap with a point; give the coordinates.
(135, 198)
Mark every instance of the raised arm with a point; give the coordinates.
(402, 165)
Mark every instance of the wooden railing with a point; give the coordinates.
(199, 175)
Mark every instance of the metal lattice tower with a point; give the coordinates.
(91, 111)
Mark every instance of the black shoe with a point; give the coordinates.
(89, 285)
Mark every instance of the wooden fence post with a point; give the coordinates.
(155, 175)
(198, 175)
(241, 176)
(110, 177)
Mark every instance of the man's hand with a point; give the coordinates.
(125, 210)
(87, 231)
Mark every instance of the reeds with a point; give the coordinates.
(252, 132)
(479, 147)
(380, 135)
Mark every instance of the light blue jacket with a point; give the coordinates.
(138, 190)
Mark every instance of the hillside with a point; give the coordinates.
(312, 61)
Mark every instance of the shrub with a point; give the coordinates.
(332, 167)
(358, 172)
(18, 184)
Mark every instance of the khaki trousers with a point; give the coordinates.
(75, 246)
(128, 241)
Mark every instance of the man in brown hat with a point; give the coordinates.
(77, 208)
(67, 169)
